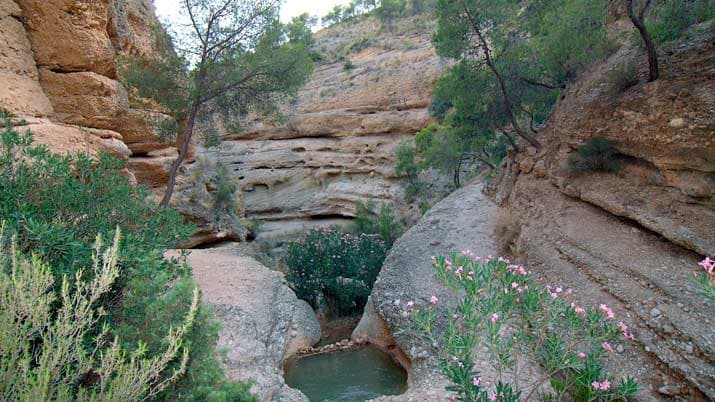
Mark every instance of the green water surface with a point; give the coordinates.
(348, 376)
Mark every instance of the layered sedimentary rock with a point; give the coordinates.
(59, 74)
(632, 238)
(336, 145)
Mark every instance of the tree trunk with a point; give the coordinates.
(183, 150)
(502, 84)
(511, 140)
(637, 21)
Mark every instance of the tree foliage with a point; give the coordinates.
(371, 220)
(235, 57)
(407, 167)
(335, 269)
(512, 61)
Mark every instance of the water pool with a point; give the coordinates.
(346, 376)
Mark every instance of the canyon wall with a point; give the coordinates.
(59, 74)
(335, 145)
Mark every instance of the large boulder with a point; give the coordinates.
(263, 323)
(466, 220)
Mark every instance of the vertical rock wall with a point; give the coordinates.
(58, 68)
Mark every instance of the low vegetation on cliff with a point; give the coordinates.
(521, 56)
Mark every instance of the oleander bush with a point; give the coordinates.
(705, 281)
(336, 269)
(56, 205)
(503, 310)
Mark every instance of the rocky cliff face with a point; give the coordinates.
(336, 145)
(59, 65)
(632, 238)
(263, 323)
(59, 74)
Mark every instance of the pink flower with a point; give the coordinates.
(604, 386)
(607, 346)
(495, 317)
(433, 299)
(476, 381)
(581, 355)
(580, 310)
(514, 285)
(455, 316)
(708, 265)
(559, 290)
(492, 396)
(410, 304)
(554, 295)
(569, 292)
(605, 309)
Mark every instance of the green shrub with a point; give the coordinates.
(56, 205)
(335, 268)
(673, 17)
(598, 154)
(382, 223)
(545, 325)
(43, 342)
(360, 45)
(348, 66)
(407, 168)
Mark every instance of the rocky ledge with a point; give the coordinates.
(263, 323)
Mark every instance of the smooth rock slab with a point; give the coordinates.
(258, 314)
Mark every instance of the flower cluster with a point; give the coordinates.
(605, 385)
(499, 296)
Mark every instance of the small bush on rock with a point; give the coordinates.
(335, 268)
(383, 222)
(598, 154)
(504, 311)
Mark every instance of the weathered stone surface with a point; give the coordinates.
(570, 228)
(666, 131)
(464, 220)
(337, 145)
(70, 35)
(62, 138)
(259, 315)
(85, 98)
(20, 92)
